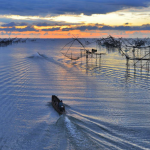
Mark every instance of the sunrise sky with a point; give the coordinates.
(79, 18)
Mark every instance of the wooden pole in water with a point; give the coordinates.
(149, 52)
(86, 56)
(81, 55)
(86, 61)
(141, 65)
(100, 59)
(149, 58)
(127, 61)
(148, 66)
(133, 55)
(96, 59)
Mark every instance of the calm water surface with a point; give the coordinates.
(108, 106)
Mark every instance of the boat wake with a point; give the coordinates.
(75, 134)
(84, 132)
(38, 55)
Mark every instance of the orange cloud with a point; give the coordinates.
(131, 32)
(145, 31)
(20, 27)
(141, 31)
(5, 27)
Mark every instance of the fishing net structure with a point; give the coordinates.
(72, 49)
(137, 50)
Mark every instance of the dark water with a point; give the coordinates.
(108, 106)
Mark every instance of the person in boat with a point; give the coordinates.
(60, 105)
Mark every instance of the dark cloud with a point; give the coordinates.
(51, 29)
(88, 7)
(54, 23)
(43, 24)
(81, 28)
(126, 28)
(28, 28)
(107, 27)
(13, 24)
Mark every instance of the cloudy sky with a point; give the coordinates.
(80, 18)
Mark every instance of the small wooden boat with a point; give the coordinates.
(58, 104)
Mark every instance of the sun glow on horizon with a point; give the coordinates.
(77, 33)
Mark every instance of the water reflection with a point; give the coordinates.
(115, 65)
